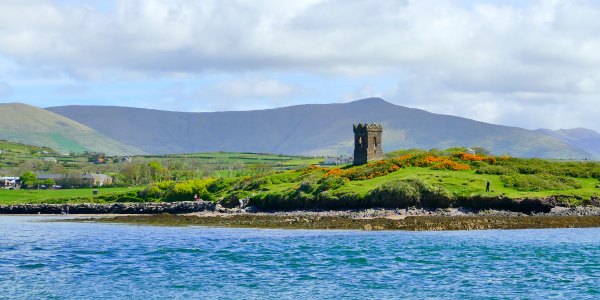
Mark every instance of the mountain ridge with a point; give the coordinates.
(583, 138)
(313, 129)
(36, 126)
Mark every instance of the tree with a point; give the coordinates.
(156, 171)
(481, 150)
(28, 179)
(48, 182)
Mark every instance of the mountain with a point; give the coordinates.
(324, 129)
(36, 126)
(583, 138)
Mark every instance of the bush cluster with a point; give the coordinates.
(539, 182)
(386, 166)
(538, 166)
(410, 192)
(396, 194)
(178, 191)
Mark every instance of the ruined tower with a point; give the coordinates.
(367, 143)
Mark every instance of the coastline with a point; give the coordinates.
(368, 219)
(203, 213)
(412, 223)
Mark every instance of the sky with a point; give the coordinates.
(531, 64)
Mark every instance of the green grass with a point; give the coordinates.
(66, 143)
(245, 158)
(8, 197)
(263, 176)
(468, 183)
(459, 183)
(22, 149)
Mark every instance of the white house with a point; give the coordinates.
(49, 159)
(340, 160)
(8, 182)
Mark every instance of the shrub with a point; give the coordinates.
(307, 186)
(410, 192)
(284, 200)
(348, 200)
(531, 169)
(251, 183)
(533, 183)
(181, 191)
(450, 165)
(475, 157)
(298, 199)
(151, 191)
(496, 170)
(396, 194)
(313, 169)
(422, 159)
(220, 185)
(331, 183)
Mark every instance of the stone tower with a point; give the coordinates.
(367, 143)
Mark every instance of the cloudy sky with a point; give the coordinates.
(520, 63)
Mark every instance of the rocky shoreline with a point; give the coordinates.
(110, 208)
(204, 213)
(207, 207)
(410, 223)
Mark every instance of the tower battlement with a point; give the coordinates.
(367, 127)
(367, 142)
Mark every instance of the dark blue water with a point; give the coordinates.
(87, 260)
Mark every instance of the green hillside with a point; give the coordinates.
(32, 125)
(19, 148)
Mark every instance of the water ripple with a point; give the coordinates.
(87, 260)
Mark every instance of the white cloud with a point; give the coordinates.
(476, 45)
(71, 90)
(362, 92)
(242, 93)
(492, 60)
(254, 88)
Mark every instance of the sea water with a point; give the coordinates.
(68, 260)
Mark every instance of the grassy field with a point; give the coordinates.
(406, 178)
(230, 158)
(8, 197)
(469, 183)
(21, 148)
(427, 179)
(459, 183)
(16, 157)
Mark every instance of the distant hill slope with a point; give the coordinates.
(7, 147)
(309, 129)
(583, 138)
(36, 126)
